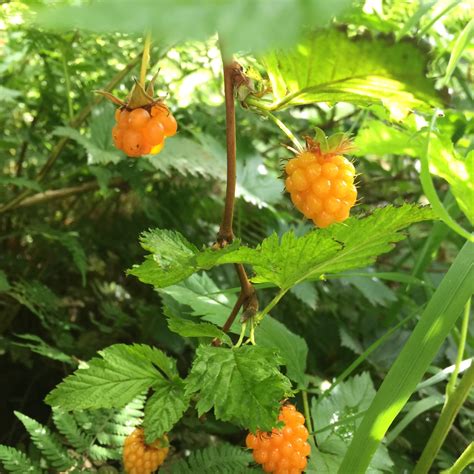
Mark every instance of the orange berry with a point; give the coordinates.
(169, 123)
(138, 118)
(154, 131)
(321, 186)
(132, 143)
(123, 118)
(157, 148)
(282, 451)
(117, 136)
(142, 458)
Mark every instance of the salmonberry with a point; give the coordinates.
(282, 451)
(138, 132)
(321, 181)
(143, 122)
(142, 458)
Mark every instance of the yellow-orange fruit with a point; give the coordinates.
(139, 132)
(142, 458)
(321, 186)
(285, 450)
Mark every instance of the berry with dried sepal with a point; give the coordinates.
(285, 450)
(143, 122)
(142, 458)
(320, 180)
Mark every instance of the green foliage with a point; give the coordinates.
(222, 459)
(121, 374)
(248, 31)
(16, 462)
(243, 385)
(435, 324)
(330, 67)
(335, 420)
(45, 441)
(381, 139)
(287, 261)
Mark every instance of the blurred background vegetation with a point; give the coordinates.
(65, 247)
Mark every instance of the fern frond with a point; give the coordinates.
(67, 426)
(222, 459)
(16, 462)
(47, 443)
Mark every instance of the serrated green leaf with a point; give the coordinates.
(372, 288)
(45, 441)
(121, 374)
(380, 139)
(173, 258)
(67, 426)
(306, 292)
(355, 243)
(330, 67)
(292, 348)
(95, 154)
(243, 385)
(191, 158)
(164, 409)
(16, 462)
(222, 459)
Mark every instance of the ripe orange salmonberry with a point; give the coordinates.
(282, 451)
(321, 181)
(142, 458)
(139, 132)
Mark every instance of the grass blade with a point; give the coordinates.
(436, 322)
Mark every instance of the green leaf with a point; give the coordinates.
(292, 348)
(434, 325)
(45, 441)
(221, 459)
(188, 328)
(16, 462)
(21, 182)
(306, 292)
(462, 41)
(36, 344)
(95, 154)
(330, 67)
(186, 19)
(356, 243)
(243, 385)
(191, 158)
(173, 258)
(372, 288)
(4, 285)
(164, 408)
(335, 420)
(121, 374)
(380, 139)
(67, 426)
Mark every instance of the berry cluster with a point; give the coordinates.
(283, 451)
(141, 458)
(321, 182)
(139, 132)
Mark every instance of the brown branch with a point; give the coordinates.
(53, 194)
(75, 122)
(226, 233)
(247, 298)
